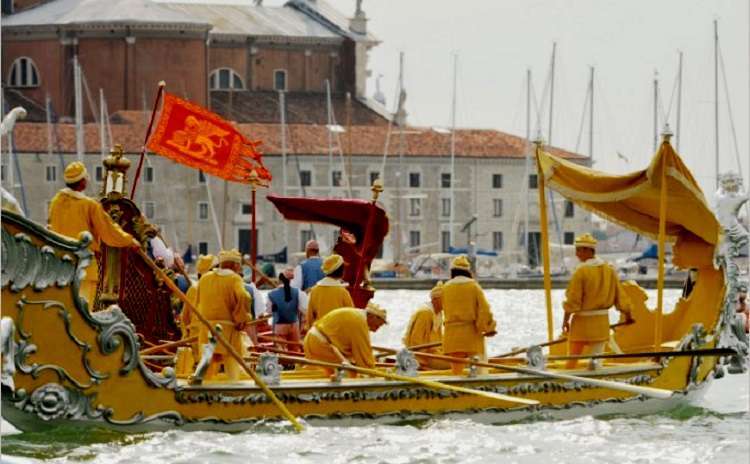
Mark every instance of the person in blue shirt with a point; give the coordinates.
(287, 306)
(308, 272)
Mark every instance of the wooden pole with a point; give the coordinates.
(159, 93)
(662, 240)
(187, 305)
(253, 233)
(545, 244)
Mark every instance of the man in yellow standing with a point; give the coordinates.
(330, 292)
(190, 325)
(343, 336)
(222, 299)
(72, 212)
(426, 326)
(593, 289)
(467, 315)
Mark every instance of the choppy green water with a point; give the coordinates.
(715, 429)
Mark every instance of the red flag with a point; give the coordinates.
(192, 135)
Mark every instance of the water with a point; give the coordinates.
(715, 428)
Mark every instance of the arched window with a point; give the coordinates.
(23, 73)
(279, 79)
(225, 79)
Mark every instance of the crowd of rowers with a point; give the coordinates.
(312, 299)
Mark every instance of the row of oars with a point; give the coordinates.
(614, 385)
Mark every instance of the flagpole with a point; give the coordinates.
(159, 93)
(253, 231)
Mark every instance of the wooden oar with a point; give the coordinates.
(390, 351)
(165, 346)
(220, 338)
(277, 350)
(652, 354)
(550, 343)
(269, 338)
(262, 277)
(611, 384)
(428, 383)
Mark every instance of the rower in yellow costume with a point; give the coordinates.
(426, 326)
(343, 336)
(593, 289)
(222, 299)
(466, 314)
(189, 324)
(330, 292)
(72, 212)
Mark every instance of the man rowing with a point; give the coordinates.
(331, 292)
(592, 290)
(426, 326)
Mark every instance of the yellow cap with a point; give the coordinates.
(205, 263)
(230, 256)
(437, 290)
(585, 241)
(74, 172)
(461, 262)
(377, 310)
(331, 263)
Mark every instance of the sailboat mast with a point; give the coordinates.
(453, 150)
(78, 107)
(679, 104)
(551, 94)
(591, 116)
(282, 112)
(525, 182)
(330, 138)
(716, 100)
(102, 129)
(656, 107)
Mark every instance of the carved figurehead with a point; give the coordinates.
(729, 200)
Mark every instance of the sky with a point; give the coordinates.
(496, 41)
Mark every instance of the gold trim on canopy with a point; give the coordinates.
(632, 200)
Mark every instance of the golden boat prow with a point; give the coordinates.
(65, 365)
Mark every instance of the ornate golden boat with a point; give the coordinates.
(66, 365)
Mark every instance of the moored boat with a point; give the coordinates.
(65, 364)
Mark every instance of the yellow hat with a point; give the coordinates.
(74, 172)
(331, 263)
(377, 310)
(461, 262)
(585, 241)
(205, 263)
(437, 290)
(230, 256)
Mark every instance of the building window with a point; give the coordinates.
(246, 208)
(202, 248)
(23, 73)
(497, 241)
(225, 79)
(374, 175)
(445, 241)
(415, 206)
(569, 209)
(569, 238)
(51, 173)
(203, 210)
(497, 181)
(201, 177)
(445, 207)
(497, 207)
(533, 181)
(415, 180)
(279, 79)
(305, 236)
(445, 180)
(305, 178)
(148, 174)
(99, 173)
(149, 210)
(415, 239)
(336, 178)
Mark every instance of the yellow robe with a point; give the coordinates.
(325, 296)
(71, 213)
(593, 287)
(467, 316)
(424, 327)
(222, 299)
(347, 330)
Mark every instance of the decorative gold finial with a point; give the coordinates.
(377, 189)
(116, 167)
(666, 134)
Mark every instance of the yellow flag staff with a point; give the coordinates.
(545, 243)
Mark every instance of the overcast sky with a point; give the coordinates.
(626, 41)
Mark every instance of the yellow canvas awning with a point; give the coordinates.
(632, 200)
